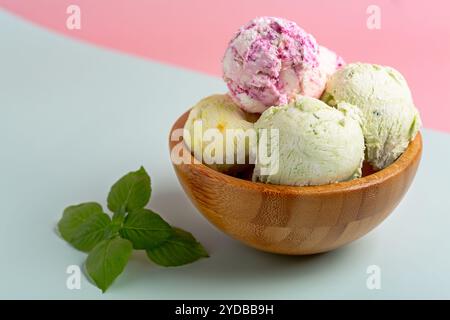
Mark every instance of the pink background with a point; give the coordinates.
(414, 36)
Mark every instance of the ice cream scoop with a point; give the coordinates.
(213, 123)
(315, 79)
(268, 61)
(389, 118)
(316, 144)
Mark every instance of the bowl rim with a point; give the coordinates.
(412, 152)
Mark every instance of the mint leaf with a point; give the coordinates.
(130, 192)
(110, 241)
(83, 225)
(145, 229)
(107, 261)
(181, 248)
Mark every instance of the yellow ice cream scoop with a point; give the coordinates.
(220, 134)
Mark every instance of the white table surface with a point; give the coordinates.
(74, 118)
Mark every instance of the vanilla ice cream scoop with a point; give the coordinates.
(268, 61)
(316, 144)
(389, 118)
(214, 122)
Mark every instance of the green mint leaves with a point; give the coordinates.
(107, 261)
(145, 229)
(181, 248)
(110, 242)
(84, 225)
(131, 192)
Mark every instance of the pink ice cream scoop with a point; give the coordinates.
(315, 80)
(269, 61)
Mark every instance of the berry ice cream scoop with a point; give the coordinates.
(315, 80)
(268, 62)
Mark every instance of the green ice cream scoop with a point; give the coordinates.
(316, 144)
(389, 118)
(217, 128)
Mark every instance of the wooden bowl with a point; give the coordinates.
(297, 220)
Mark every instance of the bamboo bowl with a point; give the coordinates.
(297, 220)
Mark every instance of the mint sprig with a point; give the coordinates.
(110, 241)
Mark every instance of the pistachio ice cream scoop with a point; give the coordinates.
(316, 144)
(389, 118)
(216, 129)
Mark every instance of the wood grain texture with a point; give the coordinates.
(297, 220)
